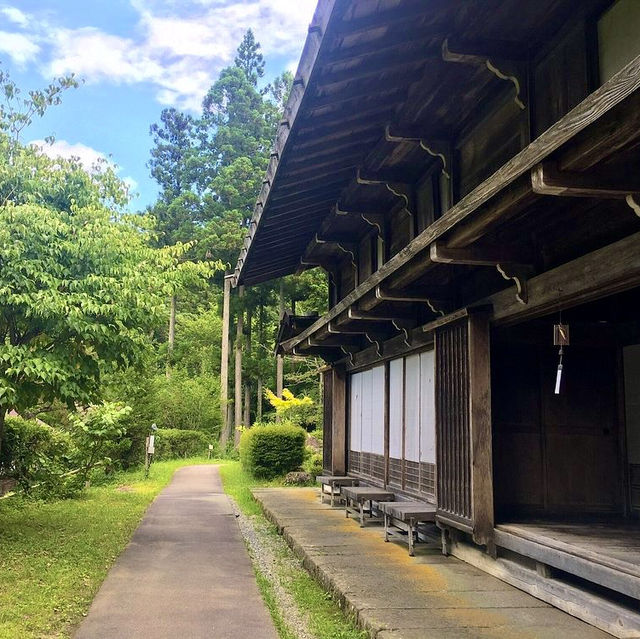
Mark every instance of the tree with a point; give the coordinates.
(17, 112)
(81, 291)
(249, 58)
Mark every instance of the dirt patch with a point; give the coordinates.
(124, 488)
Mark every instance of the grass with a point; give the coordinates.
(54, 555)
(326, 620)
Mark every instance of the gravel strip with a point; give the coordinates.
(272, 558)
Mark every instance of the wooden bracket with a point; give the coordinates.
(520, 274)
(350, 248)
(401, 189)
(376, 220)
(406, 295)
(505, 261)
(508, 70)
(633, 204)
(547, 179)
(435, 147)
(404, 327)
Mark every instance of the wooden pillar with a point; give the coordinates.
(224, 362)
(463, 427)
(238, 369)
(338, 421)
(480, 425)
(279, 357)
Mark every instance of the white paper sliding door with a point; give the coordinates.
(412, 424)
(396, 421)
(366, 423)
(411, 436)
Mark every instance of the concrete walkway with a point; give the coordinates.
(185, 573)
(395, 596)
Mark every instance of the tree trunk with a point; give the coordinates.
(172, 333)
(3, 414)
(224, 364)
(238, 370)
(259, 401)
(247, 384)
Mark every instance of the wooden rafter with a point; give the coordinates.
(436, 305)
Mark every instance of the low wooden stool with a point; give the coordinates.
(355, 498)
(333, 482)
(404, 517)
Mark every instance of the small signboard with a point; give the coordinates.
(151, 440)
(210, 446)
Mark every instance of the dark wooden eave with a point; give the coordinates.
(367, 65)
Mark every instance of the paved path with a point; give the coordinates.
(396, 596)
(186, 573)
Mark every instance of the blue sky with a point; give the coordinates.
(135, 58)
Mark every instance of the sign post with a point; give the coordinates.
(149, 448)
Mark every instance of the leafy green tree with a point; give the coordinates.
(81, 292)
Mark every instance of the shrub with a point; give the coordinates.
(313, 463)
(34, 453)
(299, 410)
(271, 450)
(172, 443)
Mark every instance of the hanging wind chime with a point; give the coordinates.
(561, 339)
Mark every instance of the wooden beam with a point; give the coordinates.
(609, 270)
(546, 179)
(436, 305)
(475, 256)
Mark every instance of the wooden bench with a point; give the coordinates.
(334, 482)
(355, 498)
(401, 519)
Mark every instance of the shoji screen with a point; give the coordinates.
(396, 422)
(366, 422)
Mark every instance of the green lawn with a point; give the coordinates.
(55, 555)
(325, 618)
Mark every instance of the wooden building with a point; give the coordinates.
(468, 174)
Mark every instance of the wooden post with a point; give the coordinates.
(224, 362)
(480, 426)
(338, 421)
(280, 358)
(238, 370)
(172, 333)
(247, 384)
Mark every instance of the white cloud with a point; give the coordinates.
(181, 47)
(88, 156)
(20, 48)
(15, 15)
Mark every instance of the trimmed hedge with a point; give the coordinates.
(172, 443)
(272, 450)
